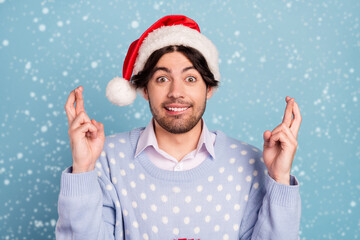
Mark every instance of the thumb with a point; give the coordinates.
(267, 135)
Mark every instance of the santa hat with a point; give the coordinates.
(169, 30)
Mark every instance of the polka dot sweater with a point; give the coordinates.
(229, 197)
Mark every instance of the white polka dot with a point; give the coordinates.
(164, 198)
(227, 217)
(176, 231)
(122, 140)
(230, 178)
(211, 178)
(103, 154)
(226, 237)
(240, 169)
(186, 220)
(209, 198)
(134, 204)
(176, 189)
(131, 166)
(238, 188)
(188, 199)
(233, 146)
(121, 155)
(123, 192)
(154, 229)
(164, 220)
(252, 161)
(255, 149)
(221, 170)
(228, 196)
(114, 180)
(122, 172)
(112, 161)
(256, 185)
(198, 209)
(216, 228)
(236, 207)
(196, 230)
(232, 160)
(246, 197)
(125, 212)
(111, 145)
(144, 216)
(248, 178)
(153, 208)
(152, 187)
(243, 152)
(99, 174)
(109, 187)
(176, 209)
(207, 218)
(143, 196)
(132, 184)
(117, 203)
(262, 159)
(98, 165)
(145, 236)
(135, 224)
(255, 173)
(141, 176)
(236, 227)
(218, 208)
(199, 188)
(220, 188)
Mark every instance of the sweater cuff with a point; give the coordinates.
(283, 195)
(78, 184)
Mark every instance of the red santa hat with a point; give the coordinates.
(169, 30)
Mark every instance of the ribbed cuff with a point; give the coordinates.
(78, 184)
(283, 195)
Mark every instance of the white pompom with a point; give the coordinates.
(120, 92)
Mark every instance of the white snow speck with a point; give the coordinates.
(352, 203)
(137, 115)
(6, 181)
(19, 155)
(2, 1)
(45, 10)
(44, 128)
(60, 23)
(134, 24)
(85, 18)
(28, 65)
(42, 27)
(5, 43)
(94, 64)
(65, 73)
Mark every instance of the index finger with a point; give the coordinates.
(288, 112)
(69, 107)
(295, 126)
(79, 100)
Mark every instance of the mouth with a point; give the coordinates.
(176, 109)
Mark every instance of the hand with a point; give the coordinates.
(87, 136)
(280, 144)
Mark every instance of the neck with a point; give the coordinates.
(178, 145)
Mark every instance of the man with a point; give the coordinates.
(175, 179)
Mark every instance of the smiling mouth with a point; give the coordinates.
(176, 109)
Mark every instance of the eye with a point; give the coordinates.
(161, 79)
(190, 79)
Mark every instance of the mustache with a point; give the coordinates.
(176, 102)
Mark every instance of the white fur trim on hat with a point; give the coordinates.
(178, 35)
(120, 92)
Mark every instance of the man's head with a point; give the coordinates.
(173, 30)
(177, 83)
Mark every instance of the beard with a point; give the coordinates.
(178, 124)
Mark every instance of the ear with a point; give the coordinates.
(145, 93)
(209, 92)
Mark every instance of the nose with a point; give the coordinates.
(176, 88)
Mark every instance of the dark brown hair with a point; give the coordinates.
(141, 79)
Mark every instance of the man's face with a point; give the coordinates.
(177, 94)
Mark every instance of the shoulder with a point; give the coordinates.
(122, 139)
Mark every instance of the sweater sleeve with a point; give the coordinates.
(86, 209)
(272, 212)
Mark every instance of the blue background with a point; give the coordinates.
(309, 50)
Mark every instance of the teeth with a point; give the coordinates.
(177, 109)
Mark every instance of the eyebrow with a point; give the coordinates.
(169, 71)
